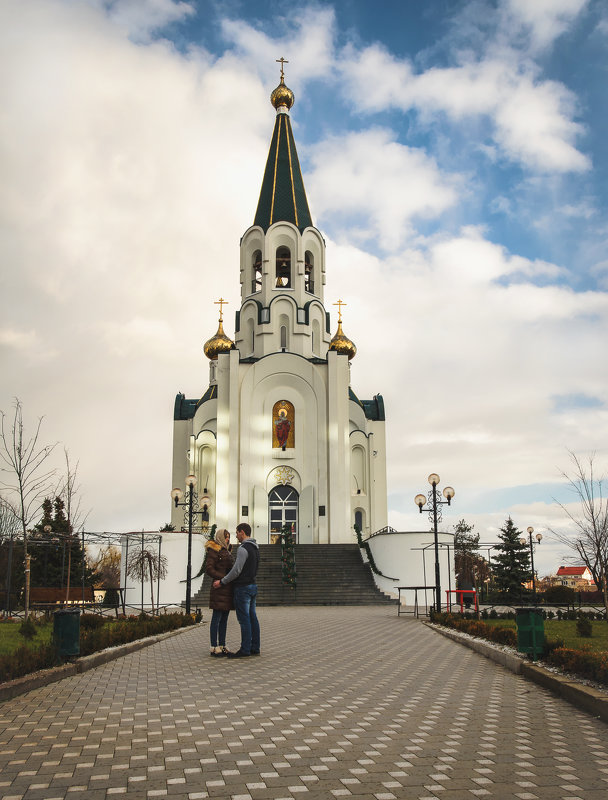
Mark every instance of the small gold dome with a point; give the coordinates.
(282, 95)
(342, 344)
(220, 343)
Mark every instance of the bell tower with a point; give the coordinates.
(282, 256)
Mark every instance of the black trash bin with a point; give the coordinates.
(530, 631)
(66, 631)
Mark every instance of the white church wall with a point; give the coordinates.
(174, 547)
(378, 481)
(408, 559)
(282, 377)
(340, 525)
(181, 437)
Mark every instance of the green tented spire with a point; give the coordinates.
(283, 197)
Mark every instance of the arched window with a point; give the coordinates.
(359, 519)
(357, 461)
(283, 425)
(282, 510)
(256, 281)
(309, 272)
(283, 337)
(283, 268)
(315, 337)
(249, 336)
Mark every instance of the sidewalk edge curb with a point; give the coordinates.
(36, 680)
(584, 697)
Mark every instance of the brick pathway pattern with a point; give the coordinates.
(343, 702)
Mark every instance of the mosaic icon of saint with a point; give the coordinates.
(282, 427)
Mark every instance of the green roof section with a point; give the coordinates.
(185, 408)
(283, 197)
(373, 409)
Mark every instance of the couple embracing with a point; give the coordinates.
(233, 586)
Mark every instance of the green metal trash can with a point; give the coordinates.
(530, 631)
(66, 631)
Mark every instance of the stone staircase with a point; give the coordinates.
(327, 575)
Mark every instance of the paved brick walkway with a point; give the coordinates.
(342, 702)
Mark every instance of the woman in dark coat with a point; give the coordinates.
(219, 564)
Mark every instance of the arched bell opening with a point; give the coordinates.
(256, 272)
(283, 268)
(309, 272)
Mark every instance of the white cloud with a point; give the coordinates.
(545, 19)
(371, 176)
(141, 18)
(129, 174)
(18, 339)
(533, 119)
(468, 361)
(306, 36)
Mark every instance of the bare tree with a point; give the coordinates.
(69, 492)
(9, 521)
(107, 567)
(590, 539)
(146, 564)
(29, 480)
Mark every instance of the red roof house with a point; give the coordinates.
(577, 577)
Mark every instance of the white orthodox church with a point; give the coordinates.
(279, 436)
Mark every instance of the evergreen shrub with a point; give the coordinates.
(27, 629)
(91, 621)
(581, 662)
(584, 627)
(26, 659)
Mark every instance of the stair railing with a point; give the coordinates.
(288, 557)
(368, 551)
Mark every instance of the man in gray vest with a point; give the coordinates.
(242, 575)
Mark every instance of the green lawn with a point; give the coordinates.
(11, 639)
(566, 629)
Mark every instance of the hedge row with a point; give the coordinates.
(122, 631)
(475, 627)
(584, 662)
(94, 636)
(26, 659)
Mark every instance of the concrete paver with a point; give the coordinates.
(343, 702)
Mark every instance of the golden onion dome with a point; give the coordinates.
(342, 344)
(220, 343)
(282, 96)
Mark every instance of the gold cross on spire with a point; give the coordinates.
(282, 62)
(220, 303)
(340, 304)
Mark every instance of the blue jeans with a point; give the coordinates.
(244, 604)
(217, 629)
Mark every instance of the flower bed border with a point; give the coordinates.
(36, 680)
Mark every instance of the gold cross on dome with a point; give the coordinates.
(221, 302)
(340, 304)
(282, 62)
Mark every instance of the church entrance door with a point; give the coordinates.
(283, 510)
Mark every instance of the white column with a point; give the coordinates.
(228, 433)
(338, 449)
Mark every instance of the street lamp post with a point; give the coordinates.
(435, 515)
(205, 502)
(522, 540)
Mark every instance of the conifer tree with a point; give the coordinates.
(511, 565)
(57, 554)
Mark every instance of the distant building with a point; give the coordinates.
(578, 578)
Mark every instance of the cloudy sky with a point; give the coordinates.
(454, 158)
